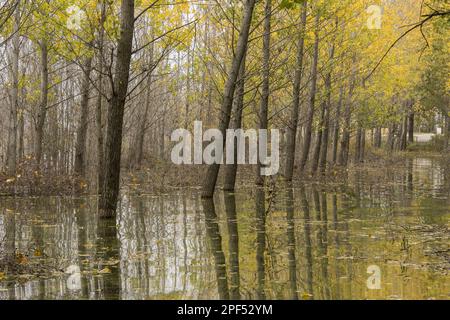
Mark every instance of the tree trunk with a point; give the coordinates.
(312, 100)
(227, 103)
(345, 142)
(80, 148)
(377, 139)
(99, 103)
(358, 139)
(447, 130)
(230, 170)
(391, 137)
(264, 108)
(411, 126)
(336, 127)
(326, 122)
(293, 123)
(12, 137)
(403, 136)
(319, 136)
(362, 149)
(110, 193)
(43, 102)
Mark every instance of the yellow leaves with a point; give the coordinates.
(21, 259)
(37, 253)
(105, 271)
(83, 184)
(306, 296)
(2, 276)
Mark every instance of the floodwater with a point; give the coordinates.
(379, 234)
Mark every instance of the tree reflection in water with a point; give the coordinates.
(312, 242)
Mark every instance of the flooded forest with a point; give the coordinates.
(225, 150)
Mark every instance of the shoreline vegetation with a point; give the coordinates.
(159, 178)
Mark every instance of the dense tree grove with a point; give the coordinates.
(90, 87)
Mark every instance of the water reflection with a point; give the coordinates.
(292, 242)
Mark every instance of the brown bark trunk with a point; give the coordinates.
(43, 102)
(345, 142)
(358, 139)
(377, 138)
(111, 185)
(99, 103)
(391, 137)
(312, 100)
(319, 136)
(411, 126)
(293, 123)
(80, 148)
(230, 170)
(264, 108)
(447, 132)
(403, 136)
(362, 149)
(12, 137)
(227, 103)
(326, 124)
(336, 127)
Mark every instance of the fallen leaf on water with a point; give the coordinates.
(111, 262)
(103, 271)
(306, 296)
(2, 275)
(21, 259)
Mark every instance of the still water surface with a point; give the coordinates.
(300, 242)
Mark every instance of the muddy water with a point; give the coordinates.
(379, 234)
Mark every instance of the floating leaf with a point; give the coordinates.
(104, 271)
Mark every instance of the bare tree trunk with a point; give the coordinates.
(99, 107)
(80, 148)
(264, 108)
(162, 137)
(319, 136)
(336, 127)
(447, 132)
(391, 137)
(377, 139)
(326, 122)
(12, 137)
(411, 124)
(358, 144)
(312, 100)
(230, 170)
(403, 135)
(227, 103)
(21, 134)
(345, 142)
(293, 123)
(325, 138)
(111, 185)
(188, 90)
(42, 113)
(362, 150)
